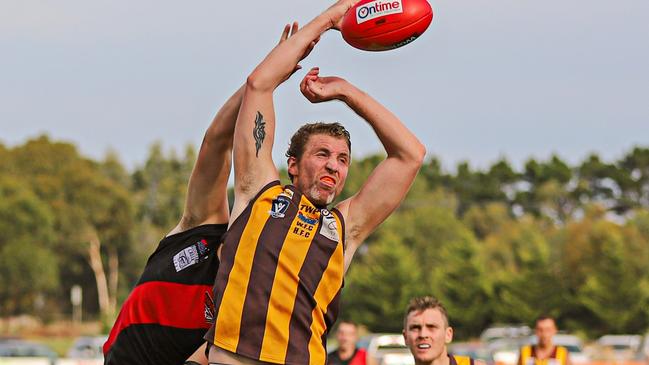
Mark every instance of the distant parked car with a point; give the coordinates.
(643, 351)
(15, 351)
(505, 350)
(87, 347)
(504, 331)
(387, 349)
(572, 343)
(619, 347)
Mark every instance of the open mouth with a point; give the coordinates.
(328, 181)
(423, 346)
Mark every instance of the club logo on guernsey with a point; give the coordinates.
(329, 226)
(191, 255)
(308, 216)
(279, 206)
(209, 309)
(377, 9)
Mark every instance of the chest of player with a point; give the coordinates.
(287, 214)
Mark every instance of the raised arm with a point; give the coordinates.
(388, 184)
(207, 200)
(255, 127)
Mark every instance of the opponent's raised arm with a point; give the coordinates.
(207, 200)
(255, 129)
(388, 184)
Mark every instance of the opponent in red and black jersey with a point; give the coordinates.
(164, 318)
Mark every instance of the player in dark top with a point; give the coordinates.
(164, 318)
(347, 353)
(166, 315)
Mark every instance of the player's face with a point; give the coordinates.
(321, 172)
(346, 335)
(426, 335)
(545, 330)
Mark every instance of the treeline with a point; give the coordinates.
(495, 245)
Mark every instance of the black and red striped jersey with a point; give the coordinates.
(163, 319)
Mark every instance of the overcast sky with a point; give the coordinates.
(489, 79)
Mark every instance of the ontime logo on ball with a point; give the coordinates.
(377, 9)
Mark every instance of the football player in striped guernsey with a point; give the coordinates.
(284, 256)
(427, 333)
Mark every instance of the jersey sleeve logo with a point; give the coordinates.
(279, 206)
(191, 255)
(329, 226)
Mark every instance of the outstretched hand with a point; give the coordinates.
(338, 10)
(318, 89)
(290, 30)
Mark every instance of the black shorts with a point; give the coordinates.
(163, 320)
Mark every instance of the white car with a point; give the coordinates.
(619, 347)
(504, 351)
(504, 331)
(388, 349)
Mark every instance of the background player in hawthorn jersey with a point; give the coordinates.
(545, 352)
(284, 256)
(427, 333)
(163, 319)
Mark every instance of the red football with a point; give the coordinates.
(380, 25)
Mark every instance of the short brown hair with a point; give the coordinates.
(419, 304)
(301, 137)
(543, 317)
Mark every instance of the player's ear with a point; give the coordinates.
(291, 162)
(449, 334)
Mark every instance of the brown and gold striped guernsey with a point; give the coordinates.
(528, 356)
(279, 282)
(460, 360)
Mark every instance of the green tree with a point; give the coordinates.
(519, 263)
(447, 254)
(379, 287)
(613, 293)
(487, 219)
(93, 214)
(633, 179)
(28, 267)
(160, 186)
(546, 191)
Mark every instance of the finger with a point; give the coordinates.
(285, 33)
(311, 86)
(307, 87)
(303, 85)
(309, 48)
(294, 28)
